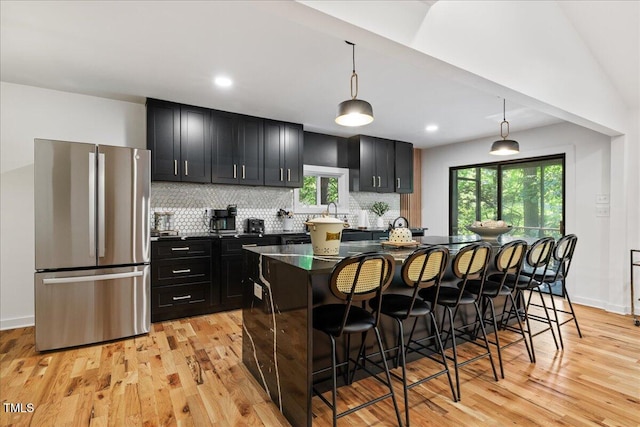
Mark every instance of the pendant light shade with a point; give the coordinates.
(504, 146)
(354, 112)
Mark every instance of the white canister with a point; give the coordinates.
(326, 233)
(287, 224)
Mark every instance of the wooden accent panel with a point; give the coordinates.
(189, 372)
(411, 204)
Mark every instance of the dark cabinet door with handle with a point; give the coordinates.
(371, 164)
(237, 149)
(283, 146)
(195, 144)
(179, 137)
(163, 139)
(404, 167)
(229, 261)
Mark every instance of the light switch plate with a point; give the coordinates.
(257, 291)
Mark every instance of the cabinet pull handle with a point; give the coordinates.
(175, 167)
(398, 182)
(188, 270)
(250, 245)
(185, 248)
(243, 172)
(374, 180)
(186, 168)
(288, 174)
(379, 181)
(235, 171)
(281, 174)
(182, 297)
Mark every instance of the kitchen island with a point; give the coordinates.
(281, 286)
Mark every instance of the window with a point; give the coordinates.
(321, 186)
(527, 194)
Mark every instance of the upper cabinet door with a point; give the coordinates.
(404, 167)
(283, 146)
(224, 163)
(371, 164)
(250, 151)
(293, 148)
(163, 139)
(368, 178)
(274, 173)
(195, 144)
(385, 165)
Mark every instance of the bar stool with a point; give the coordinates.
(355, 279)
(537, 260)
(423, 269)
(469, 264)
(562, 255)
(508, 263)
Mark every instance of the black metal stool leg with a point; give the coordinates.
(486, 342)
(388, 376)
(495, 331)
(436, 332)
(334, 390)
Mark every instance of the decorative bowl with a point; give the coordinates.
(489, 234)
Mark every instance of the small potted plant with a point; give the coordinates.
(380, 208)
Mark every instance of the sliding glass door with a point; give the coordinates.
(527, 194)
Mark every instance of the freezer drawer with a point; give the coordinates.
(89, 306)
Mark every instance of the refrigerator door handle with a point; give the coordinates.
(59, 280)
(101, 207)
(92, 204)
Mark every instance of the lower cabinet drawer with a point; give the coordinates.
(176, 271)
(169, 296)
(177, 301)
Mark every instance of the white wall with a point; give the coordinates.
(26, 113)
(588, 171)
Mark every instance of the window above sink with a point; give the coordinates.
(321, 186)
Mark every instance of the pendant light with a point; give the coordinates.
(354, 112)
(505, 146)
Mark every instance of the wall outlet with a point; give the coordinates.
(602, 198)
(257, 291)
(602, 210)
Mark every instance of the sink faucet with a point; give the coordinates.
(336, 206)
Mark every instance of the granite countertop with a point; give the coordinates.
(302, 256)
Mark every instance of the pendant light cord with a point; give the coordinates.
(354, 75)
(504, 120)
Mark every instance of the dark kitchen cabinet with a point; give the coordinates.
(371, 164)
(179, 137)
(283, 147)
(228, 264)
(403, 167)
(181, 282)
(237, 149)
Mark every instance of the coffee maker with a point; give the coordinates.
(223, 220)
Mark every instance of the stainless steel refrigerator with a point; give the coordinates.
(92, 249)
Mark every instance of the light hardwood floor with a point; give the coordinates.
(188, 372)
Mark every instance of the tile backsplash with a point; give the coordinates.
(188, 203)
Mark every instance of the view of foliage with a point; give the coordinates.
(328, 190)
(531, 196)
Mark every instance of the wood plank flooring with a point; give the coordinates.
(189, 373)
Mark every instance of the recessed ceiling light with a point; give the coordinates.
(222, 81)
(431, 128)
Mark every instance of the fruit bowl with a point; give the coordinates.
(489, 234)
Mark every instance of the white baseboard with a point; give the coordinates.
(19, 322)
(613, 308)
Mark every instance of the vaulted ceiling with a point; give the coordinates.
(288, 62)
